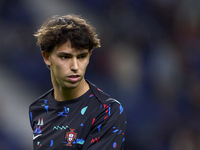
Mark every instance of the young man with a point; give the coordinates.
(75, 114)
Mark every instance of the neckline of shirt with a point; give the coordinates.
(69, 102)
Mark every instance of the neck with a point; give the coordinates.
(64, 94)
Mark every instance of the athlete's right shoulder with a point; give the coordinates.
(37, 101)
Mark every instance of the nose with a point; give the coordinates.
(74, 65)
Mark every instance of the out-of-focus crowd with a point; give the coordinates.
(149, 61)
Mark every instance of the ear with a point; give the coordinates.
(46, 57)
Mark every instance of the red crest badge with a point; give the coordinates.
(70, 137)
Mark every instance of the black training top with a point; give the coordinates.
(94, 121)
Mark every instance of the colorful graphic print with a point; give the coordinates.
(45, 105)
(71, 136)
(114, 145)
(31, 119)
(117, 131)
(51, 144)
(83, 110)
(39, 126)
(95, 140)
(64, 113)
(77, 141)
(107, 111)
(60, 128)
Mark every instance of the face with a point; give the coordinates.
(67, 65)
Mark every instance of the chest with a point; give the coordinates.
(61, 127)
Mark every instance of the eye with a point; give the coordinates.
(82, 56)
(64, 57)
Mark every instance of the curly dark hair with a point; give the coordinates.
(59, 29)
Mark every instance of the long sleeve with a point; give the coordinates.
(108, 129)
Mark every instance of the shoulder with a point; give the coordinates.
(108, 104)
(40, 99)
(103, 97)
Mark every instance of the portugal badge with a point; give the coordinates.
(70, 137)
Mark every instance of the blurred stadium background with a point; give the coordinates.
(149, 60)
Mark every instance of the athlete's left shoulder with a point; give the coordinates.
(98, 93)
(105, 98)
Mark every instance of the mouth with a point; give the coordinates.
(73, 78)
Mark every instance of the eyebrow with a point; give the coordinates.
(84, 53)
(69, 54)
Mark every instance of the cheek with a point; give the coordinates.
(84, 65)
(63, 69)
(60, 69)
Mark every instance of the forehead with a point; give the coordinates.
(66, 47)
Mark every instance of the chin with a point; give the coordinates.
(71, 85)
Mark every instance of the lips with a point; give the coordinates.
(73, 78)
